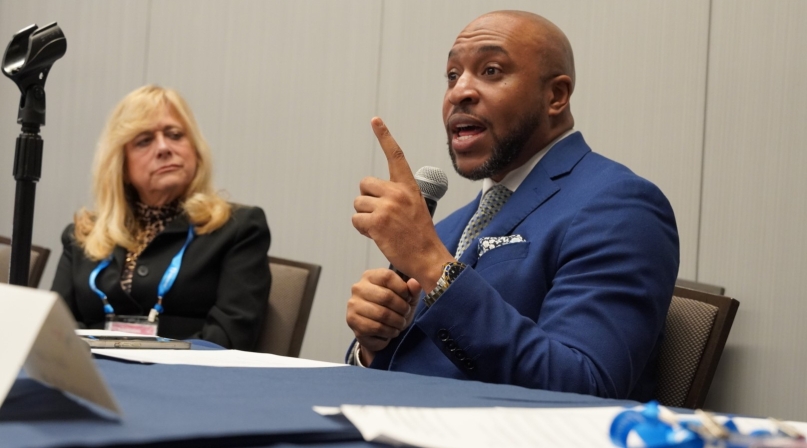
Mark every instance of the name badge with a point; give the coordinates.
(132, 324)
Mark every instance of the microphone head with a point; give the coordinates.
(432, 181)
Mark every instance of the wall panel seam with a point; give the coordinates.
(703, 142)
(147, 43)
(377, 108)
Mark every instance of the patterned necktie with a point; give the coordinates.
(491, 203)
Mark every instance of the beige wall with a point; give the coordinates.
(703, 97)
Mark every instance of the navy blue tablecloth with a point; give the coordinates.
(176, 405)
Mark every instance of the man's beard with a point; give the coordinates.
(505, 149)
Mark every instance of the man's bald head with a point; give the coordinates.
(553, 50)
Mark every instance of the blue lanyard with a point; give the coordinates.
(166, 283)
(93, 275)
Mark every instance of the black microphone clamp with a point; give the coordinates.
(27, 61)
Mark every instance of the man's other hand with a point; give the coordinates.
(382, 305)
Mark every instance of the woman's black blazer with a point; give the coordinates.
(220, 294)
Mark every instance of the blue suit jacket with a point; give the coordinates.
(579, 307)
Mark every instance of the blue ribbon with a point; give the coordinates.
(654, 432)
(173, 269)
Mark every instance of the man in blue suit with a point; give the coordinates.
(567, 286)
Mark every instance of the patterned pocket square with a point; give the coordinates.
(491, 242)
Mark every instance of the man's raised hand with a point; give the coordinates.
(394, 215)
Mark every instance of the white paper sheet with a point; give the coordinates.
(482, 427)
(214, 358)
(495, 427)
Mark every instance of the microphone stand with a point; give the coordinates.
(27, 61)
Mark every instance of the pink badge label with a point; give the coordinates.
(128, 327)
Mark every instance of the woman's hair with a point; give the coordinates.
(113, 222)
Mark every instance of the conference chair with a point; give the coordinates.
(698, 286)
(39, 258)
(698, 324)
(293, 286)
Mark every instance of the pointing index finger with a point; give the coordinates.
(399, 170)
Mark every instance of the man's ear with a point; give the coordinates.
(560, 90)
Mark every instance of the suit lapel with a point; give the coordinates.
(118, 257)
(114, 288)
(534, 191)
(177, 225)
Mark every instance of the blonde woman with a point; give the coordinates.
(162, 253)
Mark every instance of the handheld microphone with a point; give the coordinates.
(433, 184)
